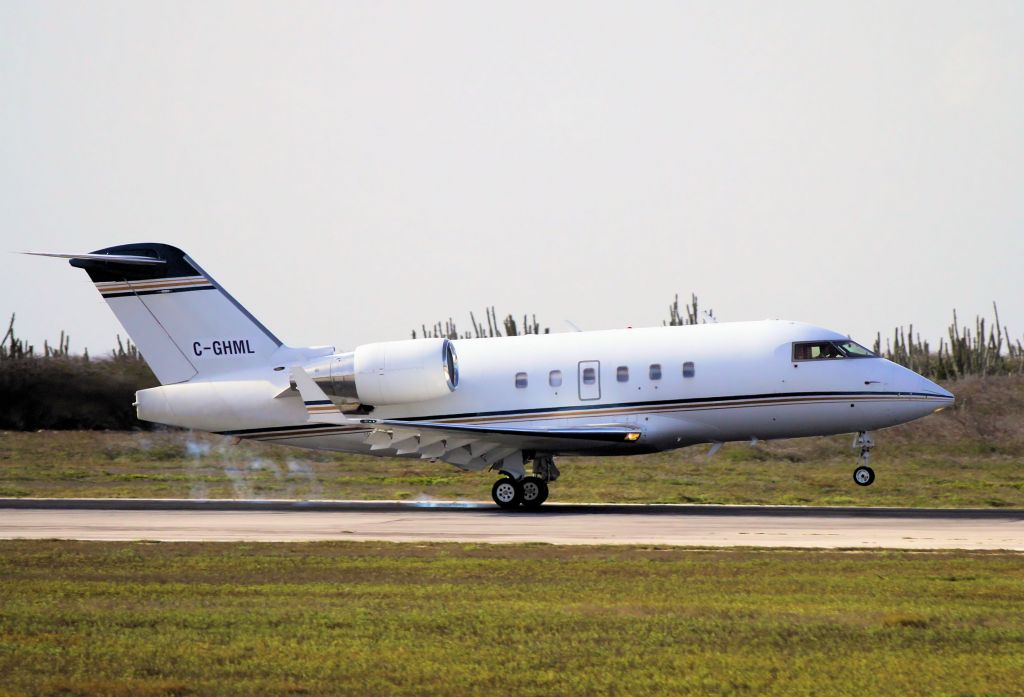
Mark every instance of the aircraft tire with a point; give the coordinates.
(507, 493)
(864, 476)
(535, 491)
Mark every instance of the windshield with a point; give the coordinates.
(828, 350)
(854, 350)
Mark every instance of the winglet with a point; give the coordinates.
(318, 406)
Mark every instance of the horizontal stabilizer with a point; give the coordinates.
(110, 258)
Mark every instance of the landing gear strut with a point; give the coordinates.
(544, 467)
(510, 492)
(864, 475)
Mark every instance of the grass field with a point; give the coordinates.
(972, 455)
(82, 618)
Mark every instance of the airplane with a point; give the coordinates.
(496, 403)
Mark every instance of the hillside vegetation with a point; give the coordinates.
(56, 389)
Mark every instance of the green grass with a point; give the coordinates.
(971, 456)
(809, 472)
(374, 618)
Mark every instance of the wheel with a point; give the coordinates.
(535, 491)
(864, 475)
(507, 492)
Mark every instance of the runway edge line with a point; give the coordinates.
(284, 505)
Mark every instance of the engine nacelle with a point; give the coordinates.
(390, 372)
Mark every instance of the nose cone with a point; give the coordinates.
(940, 391)
(906, 380)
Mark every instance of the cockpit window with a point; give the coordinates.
(815, 350)
(827, 350)
(854, 350)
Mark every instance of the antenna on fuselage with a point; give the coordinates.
(573, 325)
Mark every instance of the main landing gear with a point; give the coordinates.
(864, 475)
(527, 492)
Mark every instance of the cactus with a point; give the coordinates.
(13, 348)
(977, 351)
(676, 319)
(987, 349)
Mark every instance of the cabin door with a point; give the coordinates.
(590, 379)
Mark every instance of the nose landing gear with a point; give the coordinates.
(864, 475)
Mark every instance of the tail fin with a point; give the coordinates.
(183, 322)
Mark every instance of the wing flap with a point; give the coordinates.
(478, 447)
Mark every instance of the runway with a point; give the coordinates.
(568, 524)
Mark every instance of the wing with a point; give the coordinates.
(477, 447)
(469, 447)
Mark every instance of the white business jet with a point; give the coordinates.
(495, 403)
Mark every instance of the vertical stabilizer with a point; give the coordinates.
(185, 325)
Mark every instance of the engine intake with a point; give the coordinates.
(390, 372)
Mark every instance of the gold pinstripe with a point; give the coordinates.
(307, 433)
(322, 409)
(654, 409)
(105, 285)
(792, 401)
(161, 284)
(668, 408)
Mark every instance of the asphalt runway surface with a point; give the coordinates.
(172, 520)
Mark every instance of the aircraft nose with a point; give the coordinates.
(941, 391)
(909, 381)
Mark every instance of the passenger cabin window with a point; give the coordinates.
(555, 378)
(589, 376)
(829, 350)
(622, 373)
(655, 372)
(520, 380)
(688, 369)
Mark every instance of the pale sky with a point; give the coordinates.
(351, 170)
